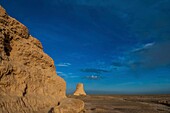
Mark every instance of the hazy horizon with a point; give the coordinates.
(113, 46)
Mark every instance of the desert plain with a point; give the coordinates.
(125, 103)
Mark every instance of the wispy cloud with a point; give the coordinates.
(94, 70)
(93, 77)
(148, 45)
(63, 64)
(61, 74)
(66, 75)
(143, 47)
(152, 55)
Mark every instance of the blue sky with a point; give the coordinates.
(112, 46)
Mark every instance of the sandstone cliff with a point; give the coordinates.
(79, 90)
(28, 80)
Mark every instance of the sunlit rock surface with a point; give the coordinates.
(28, 79)
(79, 90)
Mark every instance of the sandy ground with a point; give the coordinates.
(125, 104)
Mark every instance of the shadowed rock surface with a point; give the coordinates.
(79, 90)
(28, 80)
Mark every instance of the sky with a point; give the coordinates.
(111, 46)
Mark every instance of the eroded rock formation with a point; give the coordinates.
(28, 80)
(79, 90)
(69, 105)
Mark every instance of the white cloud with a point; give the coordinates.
(148, 45)
(58, 72)
(153, 55)
(66, 75)
(63, 64)
(143, 47)
(93, 77)
(61, 74)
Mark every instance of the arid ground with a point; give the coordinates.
(125, 104)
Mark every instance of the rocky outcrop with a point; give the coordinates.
(28, 80)
(69, 106)
(79, 90)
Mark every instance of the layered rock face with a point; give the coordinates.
(79, 90)
(28, 80)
